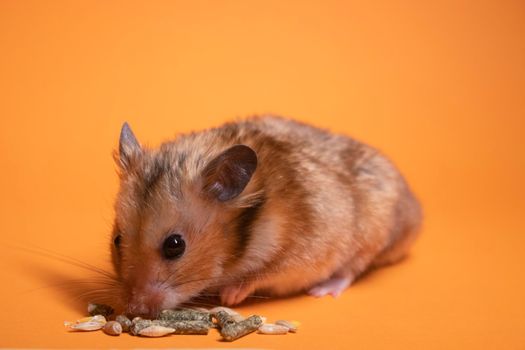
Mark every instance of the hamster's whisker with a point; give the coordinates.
(258, 297)
(98, 294)
(172, 279)
(52, 253)
(67, 259)
(199, 303)
(168, 279)
(250, 296)
(220, 278)
(69, 285)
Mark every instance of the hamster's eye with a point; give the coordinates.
(116, 241)
(173, 247)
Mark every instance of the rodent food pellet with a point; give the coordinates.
(231, 330)
(100, 309)
(231, 325)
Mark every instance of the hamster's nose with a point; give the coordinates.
(145, 302)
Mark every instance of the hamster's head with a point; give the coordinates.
(173, 208)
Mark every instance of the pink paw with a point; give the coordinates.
(235, 294)
(333, 286)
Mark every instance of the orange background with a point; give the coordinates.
(439, 86)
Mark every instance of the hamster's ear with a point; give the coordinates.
(226, 176)
(128, 146)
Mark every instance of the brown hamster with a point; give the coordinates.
(264, 205)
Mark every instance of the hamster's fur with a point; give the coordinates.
(264, 205)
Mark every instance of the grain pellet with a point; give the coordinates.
(237, 317)
(184, 315)
(186, 327)
(223, 308)
(292, 326)
(272, 329)
(139, 324)
(234, 330)
(263, 318)
(124, 322)
(156, 331)
(179, 327)
(112, 328)
(223, 318)
(99, 309)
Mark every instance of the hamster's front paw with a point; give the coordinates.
(235, 294)
(333, 286)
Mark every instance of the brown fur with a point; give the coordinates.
(318, 205)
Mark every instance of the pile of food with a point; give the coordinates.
(230, 324)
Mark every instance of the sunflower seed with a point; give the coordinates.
(292, 326)
(84, 326)
(156, 331)
(96, 318)
(272, 329)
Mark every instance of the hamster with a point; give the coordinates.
(264, 205)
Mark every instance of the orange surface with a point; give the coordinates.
(439, 86)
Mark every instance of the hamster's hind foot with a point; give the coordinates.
(334, 286)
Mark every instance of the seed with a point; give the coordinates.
(99, 309)
(272, 329)
(181, 321)
(292, 326)
(124, 322)
(234, 330)
(96, 318)
(84, 326)
(112, 328)
(156, 331)
(184, 315)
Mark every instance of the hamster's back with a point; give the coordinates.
(341, 205)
